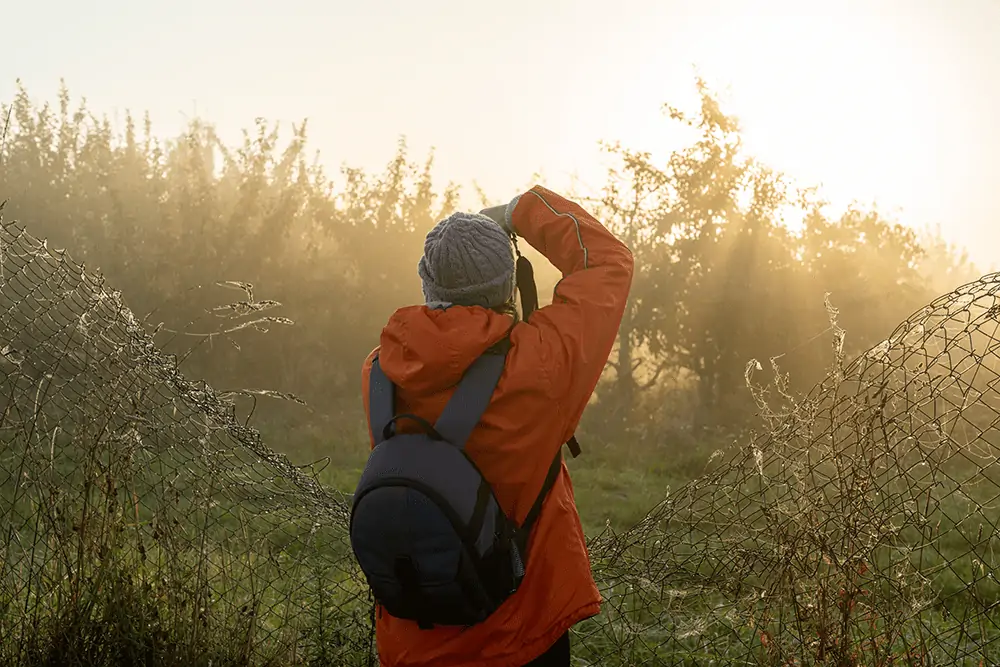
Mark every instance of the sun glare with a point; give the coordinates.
(837, 100)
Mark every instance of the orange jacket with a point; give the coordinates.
(552, 369)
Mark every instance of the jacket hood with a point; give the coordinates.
(428, 349)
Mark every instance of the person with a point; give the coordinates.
(554, 362)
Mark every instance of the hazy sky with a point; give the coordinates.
(897, 101)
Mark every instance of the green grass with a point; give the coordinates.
(617, 487)
(197, 575)
(611, 484)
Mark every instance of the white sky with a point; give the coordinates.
(888, 100)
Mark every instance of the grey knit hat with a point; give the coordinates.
(468, 261)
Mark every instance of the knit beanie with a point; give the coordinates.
(468, 261)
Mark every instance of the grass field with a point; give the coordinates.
(611, 482)
(151, 560)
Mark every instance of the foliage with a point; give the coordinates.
(723, 275)
(720, 276)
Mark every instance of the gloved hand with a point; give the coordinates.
(501, 215)
(498, 214)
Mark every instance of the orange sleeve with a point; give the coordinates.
(574, 335)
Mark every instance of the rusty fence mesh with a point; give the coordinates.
(142, 523)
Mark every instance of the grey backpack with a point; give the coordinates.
(426, 528)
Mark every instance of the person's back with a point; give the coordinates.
(553, 364)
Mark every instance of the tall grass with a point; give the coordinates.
(89, 575)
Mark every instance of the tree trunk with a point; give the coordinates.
(704, 416)
(625, 392)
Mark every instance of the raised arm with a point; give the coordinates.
(575, 334)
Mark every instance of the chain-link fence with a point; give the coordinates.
(861, 529)
(143, 524)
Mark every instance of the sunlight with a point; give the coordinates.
(832, 100)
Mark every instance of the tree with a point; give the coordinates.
(720, 278)
(628, 205)
(731, 270)
(946, 265)
(859, 258)
(167, 222)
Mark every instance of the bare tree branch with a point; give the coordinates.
(656, 376)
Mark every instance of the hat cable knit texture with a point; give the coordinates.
(468, 261)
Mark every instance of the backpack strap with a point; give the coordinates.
(524, 530)
(381, 402)
(463, 412)
(471, 398)
(460, 417)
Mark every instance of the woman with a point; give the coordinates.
(552, 367)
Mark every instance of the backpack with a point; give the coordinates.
(425, 525)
